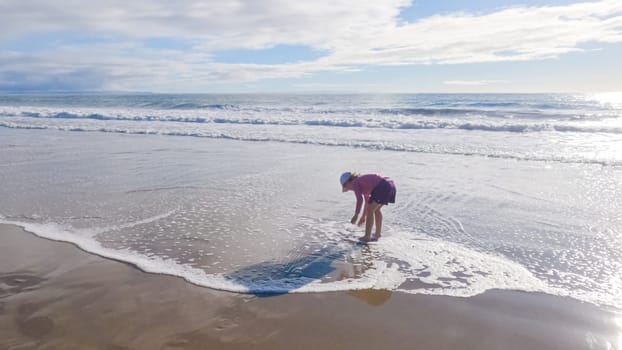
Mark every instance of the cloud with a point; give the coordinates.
(474, 82)
(352, 33)
(211, 25)
(514, 34)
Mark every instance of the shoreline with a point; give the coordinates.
(53, 295)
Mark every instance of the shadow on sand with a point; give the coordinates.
(273, 278)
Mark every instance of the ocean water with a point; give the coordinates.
(241, 192)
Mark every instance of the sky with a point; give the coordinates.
(341, 46)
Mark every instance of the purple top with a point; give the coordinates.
(362, 187)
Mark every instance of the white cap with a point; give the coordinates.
(344, 178)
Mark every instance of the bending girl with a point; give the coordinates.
(377, 190)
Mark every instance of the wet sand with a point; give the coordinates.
(55, 296)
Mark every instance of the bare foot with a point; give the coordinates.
(376, 237)
(365, 239)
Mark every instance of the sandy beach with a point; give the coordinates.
(55, 296)
(323, 175)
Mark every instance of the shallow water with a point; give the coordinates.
(269, 217)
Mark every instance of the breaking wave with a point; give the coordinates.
(419, 119)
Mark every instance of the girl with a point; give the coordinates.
(377, 190)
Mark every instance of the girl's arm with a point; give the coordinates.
(362, 220)
(359, 202)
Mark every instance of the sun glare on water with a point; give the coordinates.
(613, 98)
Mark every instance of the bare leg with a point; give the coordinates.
(369, 223)
(378, 219)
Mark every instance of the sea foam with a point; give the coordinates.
(473, 143)
(442, 268)
(414, 120)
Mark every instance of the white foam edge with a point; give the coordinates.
(157, 265)
(445, 261)
(415, 256)
(500, 272)
(384, 276)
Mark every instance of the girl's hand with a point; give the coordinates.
(353, 221)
